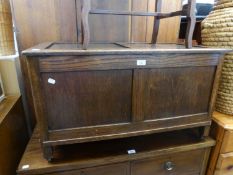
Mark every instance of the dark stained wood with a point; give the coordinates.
(156, 14)
(111, 154)
(106, 62)
(116, 169)
(138, 88)
(216, 86)
(86, 5)
(122, 130)
(63, 19)
(182, 164)
(38, 100)
(120, 91)
(191, 18)
(27, 95)
(98, 95)
(13, 134)
(177, 91)
(79, 30)
(214, 92)
(31, 19)
(61, 49)
(158, 8)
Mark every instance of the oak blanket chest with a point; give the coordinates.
(120, 90)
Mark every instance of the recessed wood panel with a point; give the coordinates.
(169, 28)
(79, 99)
(175, 92)
(105, 28)
(139, 24)
(42, 20)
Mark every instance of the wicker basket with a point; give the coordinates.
(6, 29)
(217, 31)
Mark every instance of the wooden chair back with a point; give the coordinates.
(187, 10)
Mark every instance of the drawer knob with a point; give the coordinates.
(169, 166)
(230, 168)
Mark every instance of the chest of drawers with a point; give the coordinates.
(221, 160)
(175, 153)
(119, 90)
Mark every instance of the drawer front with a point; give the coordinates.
(227, 144)
(66, 173)
(224, 164)
(186, 163)
(116, 169)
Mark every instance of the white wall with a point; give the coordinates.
(200, 1)
(9, 75)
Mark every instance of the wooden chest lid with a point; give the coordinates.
(116, 48)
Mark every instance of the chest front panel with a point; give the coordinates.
(88, 98)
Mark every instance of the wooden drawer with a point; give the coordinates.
(227, 144)
(224, 164)
(66, 173)
(111, 157)
(186, 163)
(116, 169)
(222, 132)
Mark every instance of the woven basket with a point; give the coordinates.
(217, 31)
(6, 29)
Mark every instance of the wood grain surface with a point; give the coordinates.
(224, 164)
(104, 93)
(63, 18)
(221, 154)
(70, 160)
(13, 134)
